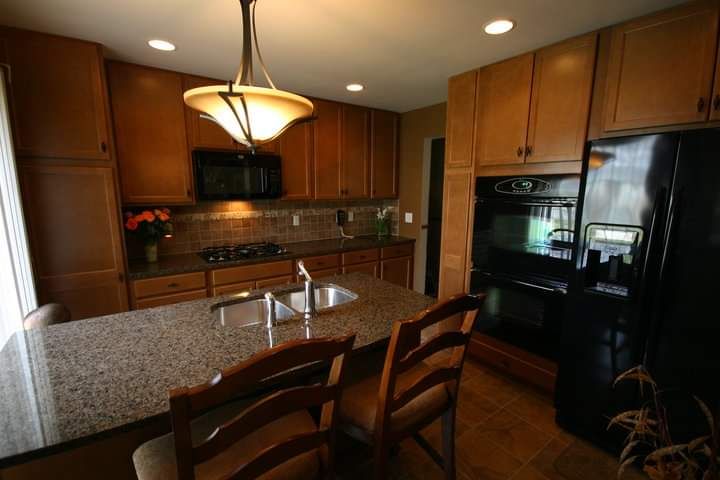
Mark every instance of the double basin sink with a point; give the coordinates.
(288, 304)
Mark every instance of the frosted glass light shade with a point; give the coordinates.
(270, 111)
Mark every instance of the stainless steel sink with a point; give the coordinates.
(326, 296)
(251, 312)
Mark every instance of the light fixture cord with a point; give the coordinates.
(257, 49)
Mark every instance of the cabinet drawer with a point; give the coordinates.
(360, 256)
(168, 284)
(232, 288)
(246, 273)
(403, 250)
(170, 299)
(321, 262)
(328, 272)
(271, 282)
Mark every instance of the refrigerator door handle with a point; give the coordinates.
(654, 232)
(670, 236)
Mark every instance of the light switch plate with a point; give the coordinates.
(408, 217)
(351, 216)
(296, 220)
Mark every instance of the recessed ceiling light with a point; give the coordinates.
(355, 87)
(499, 26)
(163, 45)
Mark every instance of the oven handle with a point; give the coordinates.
(528, 203)
(503, 279)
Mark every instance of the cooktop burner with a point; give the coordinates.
(228, 253)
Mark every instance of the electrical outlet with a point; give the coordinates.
(408, 217)
(296, 220)
(351, 216)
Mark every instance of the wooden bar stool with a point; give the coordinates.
(384, 409)
(273, 438)
(48, 314)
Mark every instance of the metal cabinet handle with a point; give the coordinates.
(103, 147)
(701, 104)
(519, 151)
(173, 285)
(716, 102)
(528, 151)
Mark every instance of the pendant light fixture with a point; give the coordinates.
(252, 115)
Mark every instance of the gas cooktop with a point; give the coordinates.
(228, 253)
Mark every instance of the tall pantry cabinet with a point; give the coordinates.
(68, 177)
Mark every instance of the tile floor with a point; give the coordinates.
(505, 431)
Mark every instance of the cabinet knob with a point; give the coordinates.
(701, 104)
(103, 147)
(173, 285)
(716, 102)
(528, 151)
(519, 151)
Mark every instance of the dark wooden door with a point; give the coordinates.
(397, 271)
(74, 232)
(56, 93)
(297, 161)
(326, 152)
(152, 149)
(355, 155)
(384, 154)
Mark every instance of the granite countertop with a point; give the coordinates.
(72, 383)
(192, 262)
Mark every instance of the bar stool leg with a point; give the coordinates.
(448, 440)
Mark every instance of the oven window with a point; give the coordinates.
(508, 235)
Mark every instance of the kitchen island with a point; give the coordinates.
(73, 384)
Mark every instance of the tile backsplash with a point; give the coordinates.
(218, 223)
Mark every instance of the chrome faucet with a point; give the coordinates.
(309, 310)
(271, 316)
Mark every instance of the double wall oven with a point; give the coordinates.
(522, 257)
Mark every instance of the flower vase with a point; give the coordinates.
(383, 227)
(151, 254)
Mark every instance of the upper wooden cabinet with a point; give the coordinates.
(560, 106)
(660, 68)
(73, 228)
(355, 159)
(203, 133)
(384, 154)
(327, 151)
(152, 148)
(57, 99)
(297, 162)
(460, 120)
(503, 103)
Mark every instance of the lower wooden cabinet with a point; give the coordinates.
(74, 230)
(370, 268)
(398, 271)
(168, 289)
(274, 281)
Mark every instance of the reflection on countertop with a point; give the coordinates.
(192, 262)
(71, 383)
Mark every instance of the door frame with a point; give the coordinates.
(420, 266)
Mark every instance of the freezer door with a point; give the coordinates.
(624, 200)
(684, 345)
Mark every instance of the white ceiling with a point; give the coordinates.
(403, 51)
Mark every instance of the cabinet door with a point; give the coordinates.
(503, 106)
(384, 154)
(74, 230)
(203, 133)
(327, 149)
(56, 96)
(152, 151)
(397, 271)
(560, 106)
(297, 162)
(370, 268)
(355, 158)
(455, 232)
(660, 70)
(460, 119)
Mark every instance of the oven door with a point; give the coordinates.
(522, 312)
(519, 237)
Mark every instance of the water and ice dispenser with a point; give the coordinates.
(610, 258)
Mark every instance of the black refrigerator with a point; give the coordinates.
(646, 283)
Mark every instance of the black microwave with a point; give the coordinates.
(236, 175)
